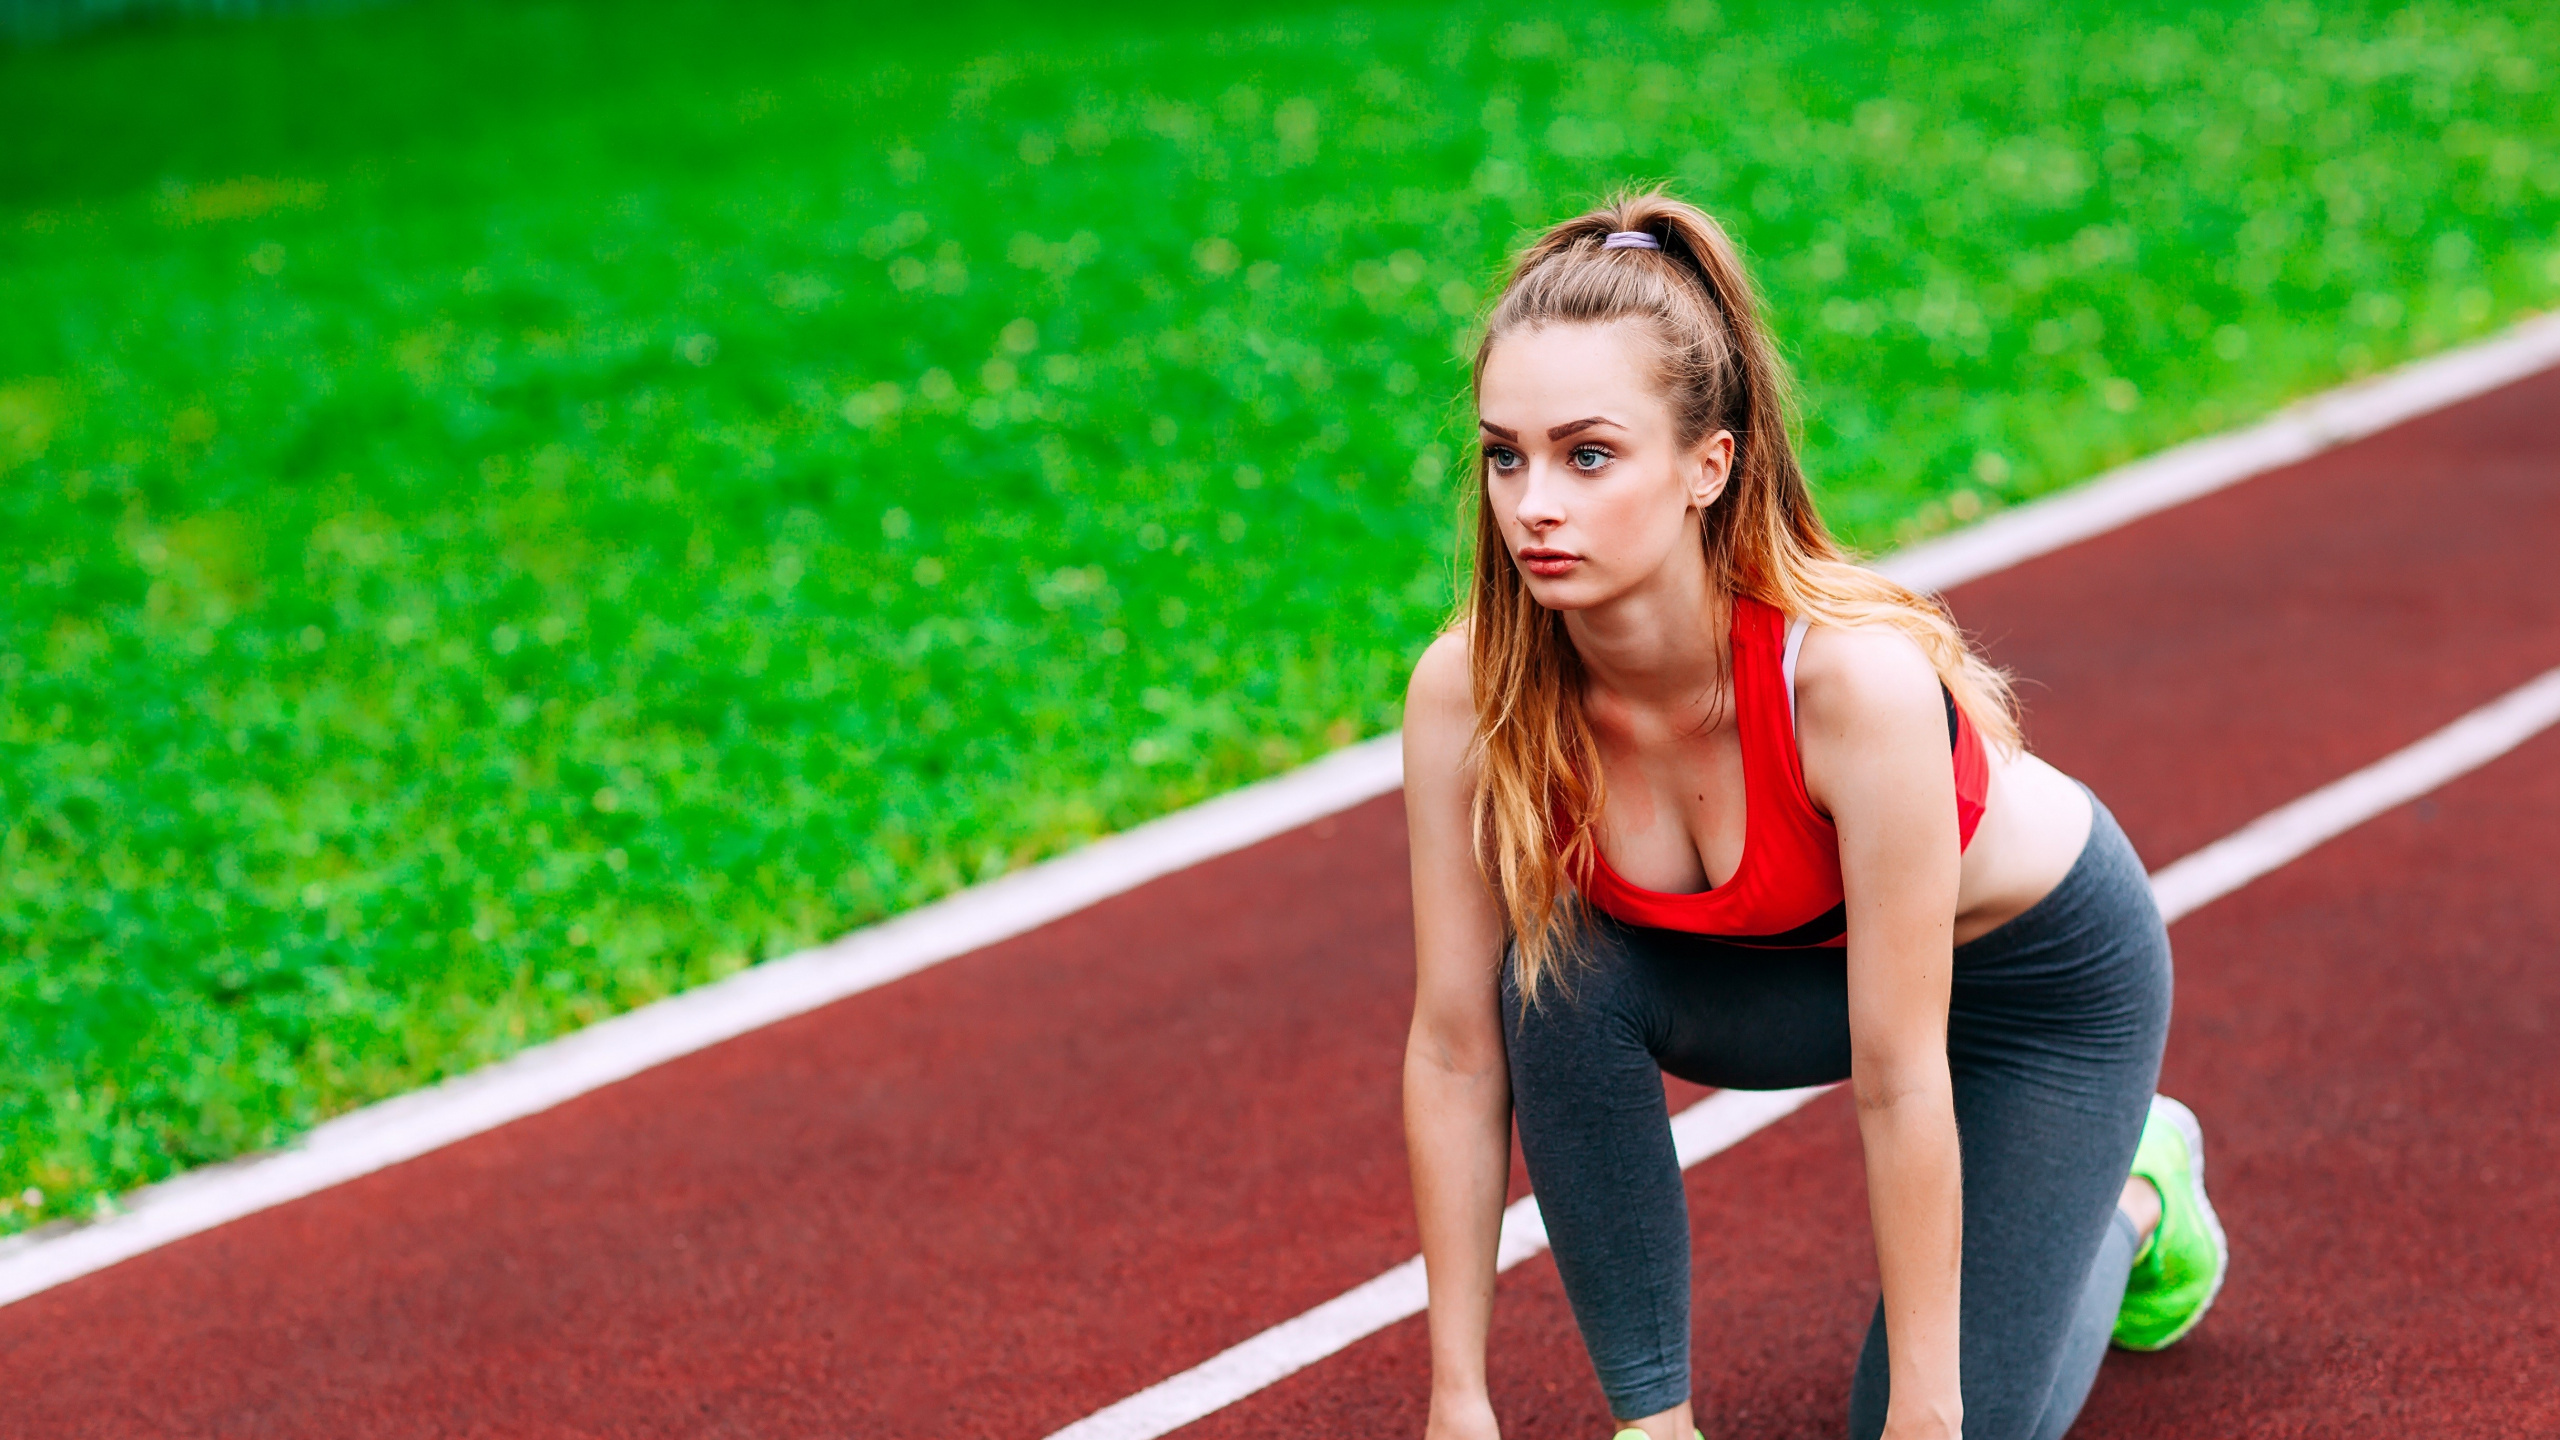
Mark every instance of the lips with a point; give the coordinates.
(1539, 561)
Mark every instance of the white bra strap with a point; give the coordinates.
(1795, 643)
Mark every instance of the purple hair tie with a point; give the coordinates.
(1630, 240)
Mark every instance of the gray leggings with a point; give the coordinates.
(2053, 1039)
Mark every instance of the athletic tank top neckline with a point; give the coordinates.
(1785, 891)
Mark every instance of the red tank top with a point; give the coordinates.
(1786, 891)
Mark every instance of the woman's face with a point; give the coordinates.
(1583, 465)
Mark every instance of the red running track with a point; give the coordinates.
(1000, 1194)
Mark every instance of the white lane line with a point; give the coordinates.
(407, 1126)
(1712, 1124)
(536, 1079)
(2282, 835)
(1728, 1116)
(2200, 467)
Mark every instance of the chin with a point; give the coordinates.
(1564, 592)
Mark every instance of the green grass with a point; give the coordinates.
(508, 512)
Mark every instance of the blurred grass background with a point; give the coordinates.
(508, 511)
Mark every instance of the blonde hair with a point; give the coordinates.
(1539, 776)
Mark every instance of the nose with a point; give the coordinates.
(1539, 509)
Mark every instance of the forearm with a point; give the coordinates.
(1915, 1196)
(1458, 1141)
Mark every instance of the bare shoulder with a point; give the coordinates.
(1856, 678)
(1440, 725)
(1441, 693)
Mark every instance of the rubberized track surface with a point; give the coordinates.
(997, 1195)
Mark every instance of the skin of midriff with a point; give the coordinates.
(2034, 821)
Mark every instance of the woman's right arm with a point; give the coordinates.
(1457, 1087)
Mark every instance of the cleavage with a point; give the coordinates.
(1676, 817)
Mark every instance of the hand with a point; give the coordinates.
(1469, 1419)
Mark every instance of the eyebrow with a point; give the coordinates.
(1570, 427)
(1577, 426)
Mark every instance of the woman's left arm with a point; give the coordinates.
(1872, 730)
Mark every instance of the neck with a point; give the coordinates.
(1660, 644)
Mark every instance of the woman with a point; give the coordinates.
(1690, 792)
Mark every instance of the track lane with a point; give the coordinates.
(787, 1230)
(1013, 1189)
(2376, 1028)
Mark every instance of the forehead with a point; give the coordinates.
(1538, 377)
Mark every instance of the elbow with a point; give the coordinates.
(1893, 1086)
(1455, 1058)
(1463, 1052)
(1454, 1080)
(1877, 1098)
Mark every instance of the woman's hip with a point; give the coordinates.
(2087, 967)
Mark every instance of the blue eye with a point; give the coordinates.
(1589, 457)
(1502, 457)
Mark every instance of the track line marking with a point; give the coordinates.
(1725, 1118)
(2216, 462)
(1711, 1125)
(2285, 834)
(534, 1080)
(407, 1126)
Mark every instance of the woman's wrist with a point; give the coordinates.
(1459, 1389)
(1924, 1420)
(1462, 1417)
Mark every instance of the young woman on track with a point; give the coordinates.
(1689, 791)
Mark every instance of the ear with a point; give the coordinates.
(1711, 465)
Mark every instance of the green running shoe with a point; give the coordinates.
(2178, 1274)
